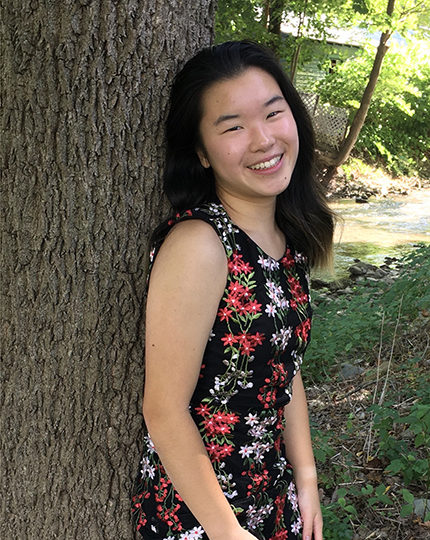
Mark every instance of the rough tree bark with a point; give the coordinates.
(85, 86)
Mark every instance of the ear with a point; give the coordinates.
(203, 159)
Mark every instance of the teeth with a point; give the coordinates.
(266, 164)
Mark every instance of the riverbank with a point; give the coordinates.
(366, 371)
(360, 181)
(391, 218)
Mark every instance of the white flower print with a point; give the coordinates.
(147, 468)
(294, 502)
(251, 419)
(149, 444)
(291, 489)
(281, 339)
(256, 516)
(197, 533)
(264, 263)
(295, 527)
(276, 295)
(292, 496)
(282, 466)
(270, 310)
(298, 257)
(246, 451)
(258, 431)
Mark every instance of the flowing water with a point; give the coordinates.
(388, 227)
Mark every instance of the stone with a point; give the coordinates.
(349, 371)
(318, 283)
(421, 507)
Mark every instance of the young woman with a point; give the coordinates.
(227, 444)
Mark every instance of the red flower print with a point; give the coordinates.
(302, 330)
(253, 307)
(258, 338)
(237, 290)
(224, 314)
(267, 396)
(214, 427)
(248, 342)
(237, 266)
(217, 452)
(259, 480)
(288, 261)
(231, 418)
(229, 340)
(203, 410)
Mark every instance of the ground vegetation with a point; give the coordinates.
(367, 371)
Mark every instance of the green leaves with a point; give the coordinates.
(350, 325)
(394, 129)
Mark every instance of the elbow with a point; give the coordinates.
(160, 414)
(150, 412)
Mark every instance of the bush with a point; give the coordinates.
(395, 132)
(352, 323)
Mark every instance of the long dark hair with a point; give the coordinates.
(302, 212)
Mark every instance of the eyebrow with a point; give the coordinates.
(225, 117)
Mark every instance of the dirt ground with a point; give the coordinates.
(333, 408)
(340, 406)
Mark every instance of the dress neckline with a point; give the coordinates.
(224, 211)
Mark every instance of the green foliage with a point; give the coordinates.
(353, 322)
(396, 130)
(336, 525)
(401, 432)
(254, 19)
(403, 460)
(413, 464)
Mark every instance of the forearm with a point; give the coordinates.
(298, 448)
(297, 437)
(184, 456)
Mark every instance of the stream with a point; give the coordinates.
(388, 227)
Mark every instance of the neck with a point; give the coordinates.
(257, 220)
(258, 216)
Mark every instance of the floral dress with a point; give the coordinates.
(253, 352)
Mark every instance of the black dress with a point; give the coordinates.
(253, 352)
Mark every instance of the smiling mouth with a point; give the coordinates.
(266, 164)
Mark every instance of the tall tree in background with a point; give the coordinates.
(85, 88)
(400, 16)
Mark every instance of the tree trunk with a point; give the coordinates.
(275, 14)
(295, 58)
(85, 89)
(360, 116)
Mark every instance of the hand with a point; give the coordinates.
(310, 509)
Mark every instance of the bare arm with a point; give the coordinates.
(299, 453)
(186, 285)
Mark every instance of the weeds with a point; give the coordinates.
(372, 442)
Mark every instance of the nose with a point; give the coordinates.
(261, 139)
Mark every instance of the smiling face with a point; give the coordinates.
(249, 136)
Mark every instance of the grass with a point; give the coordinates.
(372, 434)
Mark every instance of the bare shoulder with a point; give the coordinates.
(192, 249)
(196, 241)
